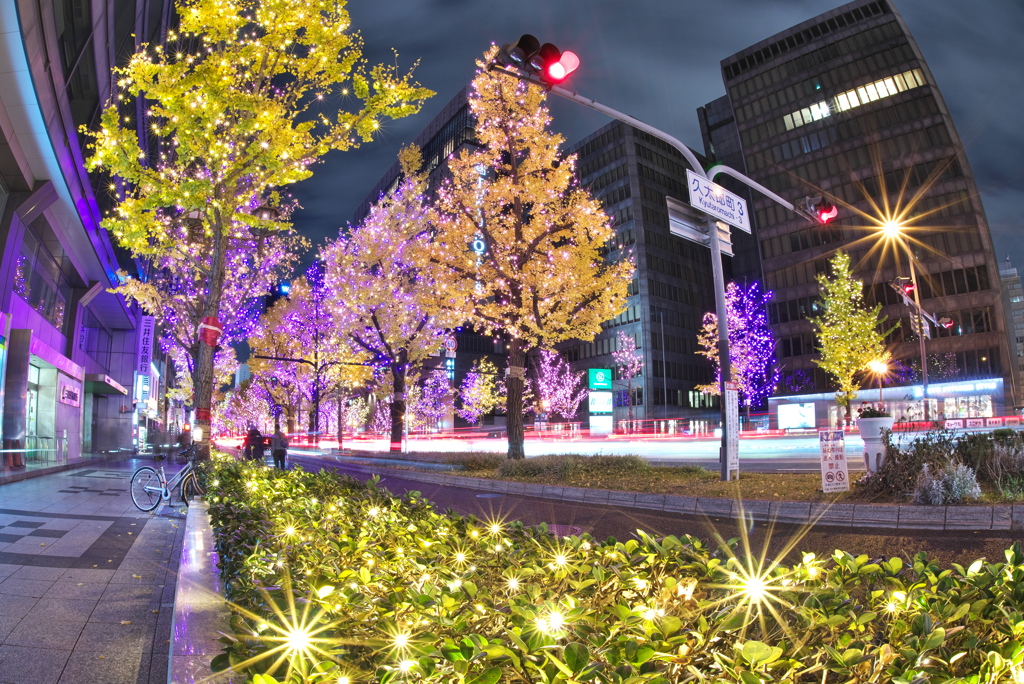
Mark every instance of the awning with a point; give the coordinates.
(97, 383)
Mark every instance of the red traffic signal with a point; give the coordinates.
(827, 212)
(546, 61)
(946, 322)
(909, 287)
(821, 209)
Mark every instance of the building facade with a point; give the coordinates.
(845, 107)
(1013, 304)
(69, 350)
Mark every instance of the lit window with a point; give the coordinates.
(885, 87)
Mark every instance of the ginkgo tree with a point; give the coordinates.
(235, 108)
(398, 305)
(850, 335)
(541, 277)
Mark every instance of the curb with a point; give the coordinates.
(199, 607)
(889, 516)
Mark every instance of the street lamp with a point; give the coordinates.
(892, 231)
(880, 369)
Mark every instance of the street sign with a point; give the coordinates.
(450, 344)
(732, 423)
(681, 224)
(712, 198)
(835, 475)
(599, 378)
(600, 402)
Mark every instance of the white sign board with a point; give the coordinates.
(601, 425)
(835, 476)
(600, 402)
(796, 416)
(712, 198)
(732, 422)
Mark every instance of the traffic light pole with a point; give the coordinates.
(921, 323)
(714, 242)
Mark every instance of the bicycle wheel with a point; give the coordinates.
(146, 488)
(190, 487)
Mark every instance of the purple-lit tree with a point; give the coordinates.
(480, 391)
(557, 388)
(434, 399)
(628, 365)
(751, 344)
(398, 305)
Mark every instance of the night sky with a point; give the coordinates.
(660, 60)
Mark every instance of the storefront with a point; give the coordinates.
(946, 400)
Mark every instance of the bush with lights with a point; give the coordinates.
(333, 580)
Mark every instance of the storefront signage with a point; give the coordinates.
(69, 393)
(835, 476)
(599, 378)
(939, 389)
(954, 424)
(145, 345)
(975, 422)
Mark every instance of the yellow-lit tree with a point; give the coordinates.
(233, 103)
(541, 278)
(397, 303)
(849, 333)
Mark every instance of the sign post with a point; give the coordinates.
(835, 476)
(599, 378)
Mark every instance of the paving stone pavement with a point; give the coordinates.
(86, 579)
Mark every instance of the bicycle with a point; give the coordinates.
(149, 487)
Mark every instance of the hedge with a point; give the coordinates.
(333, 580)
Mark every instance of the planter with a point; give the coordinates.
(871, 431)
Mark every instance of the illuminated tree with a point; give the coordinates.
(233, 104)
(541, 277)
(628, 364)
(751, 344)
(312, 361)
(398, 304)
(435, 399)
(848, 333)
(480, 391)
(242, 408)
(556, 387)
(174, 293)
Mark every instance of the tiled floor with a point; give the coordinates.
(86, 579)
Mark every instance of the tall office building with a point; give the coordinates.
(844, 106)
(70, 358)
(1013, 302)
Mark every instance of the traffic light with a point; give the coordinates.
(546, 61)
(284, 288)
(821, 209)
(908, 288)
(946, 322)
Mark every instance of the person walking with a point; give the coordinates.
(254, 445)
(279, 448)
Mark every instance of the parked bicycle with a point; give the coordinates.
(150, 486)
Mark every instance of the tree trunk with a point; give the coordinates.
(514, 400)
(203, 383)
(341, 420)
(397, 406)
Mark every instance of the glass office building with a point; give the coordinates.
(845, 107)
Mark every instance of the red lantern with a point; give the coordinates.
(210, 330)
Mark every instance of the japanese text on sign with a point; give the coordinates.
(835, 476)
(713, 199)
(145, 355)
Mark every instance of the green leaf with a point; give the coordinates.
(325, 591)
(749, 678)
(220, 662)
(488, 676)
(670, 625)
(643, 654)
(576, 656)
(757, 652)
(934, 639)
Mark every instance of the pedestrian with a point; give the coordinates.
(279, 448)
(254, 445)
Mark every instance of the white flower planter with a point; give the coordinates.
(871, 431)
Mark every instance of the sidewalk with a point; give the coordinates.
(86, 580)
(37, 468)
